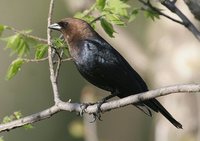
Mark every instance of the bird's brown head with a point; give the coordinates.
(73, 29)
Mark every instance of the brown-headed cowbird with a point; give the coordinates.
(102, 65)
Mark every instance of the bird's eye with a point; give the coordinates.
(63, 24)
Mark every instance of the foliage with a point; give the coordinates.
(111, 12)
(152, 14)
(21, 45)
(41, 50)
(14, 67)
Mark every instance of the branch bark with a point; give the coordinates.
(171, 5)
(194, 6)
(186, 22)
(76, 107)
(53, 76)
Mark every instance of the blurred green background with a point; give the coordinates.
(30, 90)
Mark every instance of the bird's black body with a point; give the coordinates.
(104, 67)
(100, 64)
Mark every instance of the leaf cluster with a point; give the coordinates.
(110, 12)
(21, 45)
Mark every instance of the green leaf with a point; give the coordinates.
(17, 115)
(18, 44)
(133, 14)
(28, 126)
(83, 16)
(14, 68)
(6, 119)
(14, 116)
(22, 48)
(41, 50)
(108, 28)
(66, 51)
(114, 19)
(117, 7)
(58, 43)
(12, 41)
(100, 4)
(149, 13)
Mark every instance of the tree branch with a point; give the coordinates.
(194, 6)
(29, 119)
(28, 36)
(172, 7)
(50, 56)
(75, 107)
(186, 22)
(158, 11)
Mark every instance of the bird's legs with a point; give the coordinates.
(97, 114)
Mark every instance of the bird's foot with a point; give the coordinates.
(83, 107)
(97, 114)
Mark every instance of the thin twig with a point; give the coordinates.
(51, 67)
(28, 35)
(149, 5)
(35, 60)
(30, 119)
(67, 59)
(187, 23)
(67, 106)
(58, 65)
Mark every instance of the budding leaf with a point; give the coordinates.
(14, 68)
(28, 126)
(41, 50)
(17, 115)
(149, 13)
(84, 16)
(117, 7)
(108, 28)
(18, 44)
(114, 19)
(100, 4)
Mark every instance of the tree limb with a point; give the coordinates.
(50, 56)
(28, 35)
(194, 6)
(186, 22)
(75, 107)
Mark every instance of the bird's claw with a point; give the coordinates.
(83, 107)
(97, 114)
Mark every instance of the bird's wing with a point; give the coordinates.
(117, 72)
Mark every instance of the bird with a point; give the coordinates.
(103, 66)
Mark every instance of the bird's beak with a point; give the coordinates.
(55, 26)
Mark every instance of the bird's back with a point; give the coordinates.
(104, 67)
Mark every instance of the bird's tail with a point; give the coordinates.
(157, 107)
